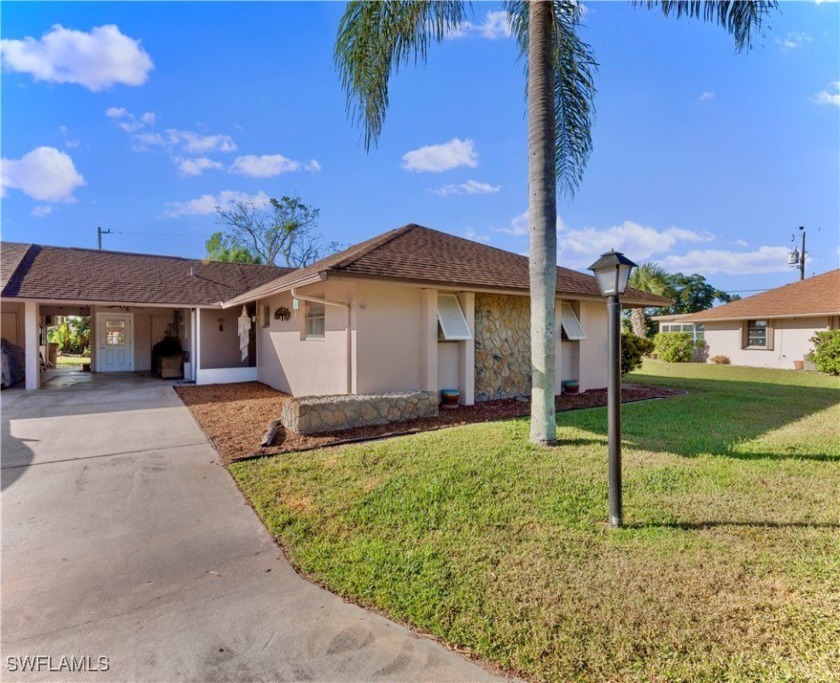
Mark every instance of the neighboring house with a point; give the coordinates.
(411, 309)
(772, 329)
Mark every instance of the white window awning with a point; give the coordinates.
(451, 318)
(570, 322)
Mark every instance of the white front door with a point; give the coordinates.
(115, 337)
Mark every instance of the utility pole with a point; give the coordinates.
(99, 233)
(802, 255)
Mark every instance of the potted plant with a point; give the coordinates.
(450, 398)
(571, 386)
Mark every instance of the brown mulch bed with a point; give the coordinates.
(236, 416)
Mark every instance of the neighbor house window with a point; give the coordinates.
(697, 332)
(315, 321)
(453, 324)
(758, 335)
(570, 325)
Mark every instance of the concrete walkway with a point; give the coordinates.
(123, 537)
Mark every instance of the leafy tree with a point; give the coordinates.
(648, 277)
(284, 233)
(221, 248)
(692, 293)
(376, 38)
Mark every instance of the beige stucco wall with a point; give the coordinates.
(300, 366)
(11, 326)
(593, 350)
(791, 341)
(389, 338)
(220, 347)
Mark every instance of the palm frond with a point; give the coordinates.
(743, 19)
(375, 39)
(574, 87)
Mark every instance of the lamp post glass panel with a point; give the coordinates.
(612, 271)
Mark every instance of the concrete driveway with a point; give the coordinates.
(123, 537)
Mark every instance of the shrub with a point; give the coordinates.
(827, 351)
(632, 350)
(720, 360)
(674, 347)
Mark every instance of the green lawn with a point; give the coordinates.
(729, 570)
(70, 361)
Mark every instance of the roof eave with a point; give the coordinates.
(263, 292)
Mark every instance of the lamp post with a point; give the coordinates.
(612, 271)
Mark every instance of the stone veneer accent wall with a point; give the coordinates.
(317, 414)
(502, 346)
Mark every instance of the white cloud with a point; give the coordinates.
(41, 211)
(713, 261)
(831, 95)
(496, 24)
(207, 203)
(443, 157)
(638, 242)
(706, 96)
(519, 225)
(197, 143)
(793, 40)
(70, 144)
(741, 243)
(469, 187)
(195, 167)
(116, 112)
(472, 234)
(313, 166)
(264, 166)
(45, 174)
(95, 60)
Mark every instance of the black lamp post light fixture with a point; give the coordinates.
(612, 271)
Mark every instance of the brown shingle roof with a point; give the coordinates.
(422, 255)
(817, 295)
(71, 274)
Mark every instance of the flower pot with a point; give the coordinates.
(450, 398)
(571, 386)
(799, 365)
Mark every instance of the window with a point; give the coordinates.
(570, 325)
(697, 332)
(115, 332)
(451, 318)
(757, 334)
(265, 319)
(315, 321)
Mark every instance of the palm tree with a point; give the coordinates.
(648, 277)
(376, 38)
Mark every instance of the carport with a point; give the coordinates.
(134, 301)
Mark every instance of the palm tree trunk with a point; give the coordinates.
(637, 322)
(542, 214)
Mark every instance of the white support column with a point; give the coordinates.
(31, 333)
(429, 340)
(197, 358)
(466, 351)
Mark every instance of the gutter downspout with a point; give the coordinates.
(346, 307)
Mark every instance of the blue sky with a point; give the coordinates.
(704, 160)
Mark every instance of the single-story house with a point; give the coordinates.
(412, 309)
(772, 329)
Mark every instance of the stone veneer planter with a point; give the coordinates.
(318, 414)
